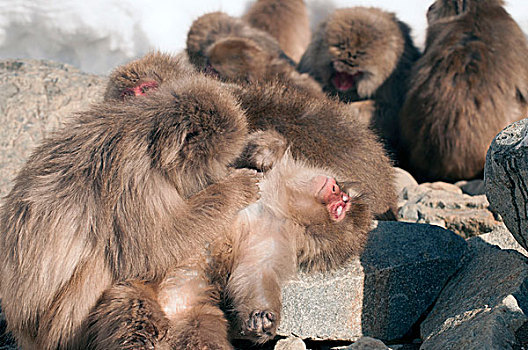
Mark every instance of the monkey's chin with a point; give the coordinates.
(345, 82)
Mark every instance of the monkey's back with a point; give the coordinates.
(470, 83)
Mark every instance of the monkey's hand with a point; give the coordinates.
(261, 325)
(243, 186)
(263, 150)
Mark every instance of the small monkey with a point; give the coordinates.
(364, 53)
(471, 82)
(285, 20)
(230, 49)
(119, 197)
(303, 219)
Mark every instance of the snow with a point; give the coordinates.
(97, 35)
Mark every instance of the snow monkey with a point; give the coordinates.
(119, 196)
(320, 131)
(285, 20)
(231, 49)
(471, 82)
(364, 53)
(304, 219)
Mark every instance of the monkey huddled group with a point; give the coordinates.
(170, 214)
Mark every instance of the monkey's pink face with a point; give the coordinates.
(139, 90)
(327, 191)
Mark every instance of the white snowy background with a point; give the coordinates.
(97, 35)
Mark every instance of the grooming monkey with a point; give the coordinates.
(471, 82)
(119, 196)
(362, 53)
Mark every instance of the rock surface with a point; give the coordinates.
(36, 97)
(367, 343)
(445, 205)
(382, 294)
(483, 305)
(506, 178)
(291, 343)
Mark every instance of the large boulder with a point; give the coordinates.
(506, 178)
(35, 98)
(382, 294)
(484, 304)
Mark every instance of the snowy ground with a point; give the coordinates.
(97, 35)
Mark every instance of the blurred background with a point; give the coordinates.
(97, 35)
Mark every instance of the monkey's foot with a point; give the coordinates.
(261, 325)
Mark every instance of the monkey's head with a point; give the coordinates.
(228, 47)
(139, 77)
(447, 9)
(308, 195)
(354, 51)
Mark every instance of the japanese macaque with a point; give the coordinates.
(118, 197)
(304, 219)
(471, 82)
(364, 53)
(232, 50)
(285, 20)
(319, 130)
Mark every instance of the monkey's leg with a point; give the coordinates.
(254, 288)
(127, 316)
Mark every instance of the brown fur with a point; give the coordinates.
(120, 195)
(231, 49)
(287, 228)
(374, 46)
(471, 82)
(285, 20)
(321, 131)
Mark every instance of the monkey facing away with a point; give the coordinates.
(364, 53)
(319, 130)
(303, 219)
(232, 50)
(121, 194)
(471, 82)
(285, 20)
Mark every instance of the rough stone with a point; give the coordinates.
(367, 343)
(402, 179)
(291, 343)
(503, 238)
(472, 187)
(506, 174)
(445, 205)
(382, 294)
(35, 98)
(483, 305)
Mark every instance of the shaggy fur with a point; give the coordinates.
(364, 53)
(322, 132)
(229, 48)
(285, 20)
(118, 196)
(242, 272)
(471, 82)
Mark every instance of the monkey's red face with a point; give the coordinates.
(328, 192)
(139, 90)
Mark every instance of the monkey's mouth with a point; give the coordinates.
(338, 210)
(344, 82)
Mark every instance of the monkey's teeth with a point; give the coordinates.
(339, 210)
(345, 198)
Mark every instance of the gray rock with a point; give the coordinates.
(502, 238)
(382, 294)
(506, 174)
(291, 343)
(402, 179)
(445, 205)
(472, 187)
(483, 305)
(36, 97)
(367, 343)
